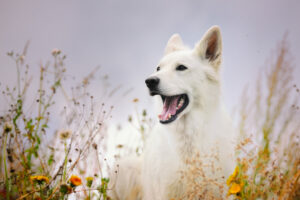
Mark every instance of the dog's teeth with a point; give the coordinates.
(176, 107)
(180, 104)
(169, 116)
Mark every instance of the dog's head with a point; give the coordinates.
(187, 79)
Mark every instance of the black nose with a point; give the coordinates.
(152, 83)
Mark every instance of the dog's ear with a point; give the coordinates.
(174, 44)
(210, 47)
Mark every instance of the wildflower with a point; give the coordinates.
(135, 100)
(75, 181)
(103, 187)
(236, 171)
(56, 52)
(233, 176)
(65, 189)
(39, 179)
(64, 134)
(7, 127)
(89, 181)
(234, 188)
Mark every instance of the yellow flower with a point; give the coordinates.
(234, 188)
(233, 176)
(230, 180)
(75, 180)
(39, 179)
(89, 181)
(236, 171)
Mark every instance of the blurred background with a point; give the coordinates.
(127, 38)
(111, 47)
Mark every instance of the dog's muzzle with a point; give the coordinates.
(152, 84)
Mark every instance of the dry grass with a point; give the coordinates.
(269, 166)
(202, 178)
(38, 162)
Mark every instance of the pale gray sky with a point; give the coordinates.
(127, 38)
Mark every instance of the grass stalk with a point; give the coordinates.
(7, 182)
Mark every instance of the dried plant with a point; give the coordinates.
(202, 177)
(269, 152)
(140, 124)
(37, 164)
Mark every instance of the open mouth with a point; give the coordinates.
(173, 105)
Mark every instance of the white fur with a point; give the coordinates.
(201, 127)
(125, 182)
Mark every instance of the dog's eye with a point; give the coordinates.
(181, 68)
(158, 68)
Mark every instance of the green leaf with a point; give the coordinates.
(51, 159)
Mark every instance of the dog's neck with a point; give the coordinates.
(188, 133)
(202, 114)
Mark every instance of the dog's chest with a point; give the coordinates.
(165, 160)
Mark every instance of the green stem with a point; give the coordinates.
(18, 79)
(40, 100)
(65, 163)
(41, 192)
(7, 185)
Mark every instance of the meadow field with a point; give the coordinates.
(40, 160)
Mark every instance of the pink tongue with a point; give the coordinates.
(170, 104)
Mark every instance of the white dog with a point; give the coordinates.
(192, 119)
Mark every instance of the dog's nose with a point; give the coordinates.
(152, 82)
